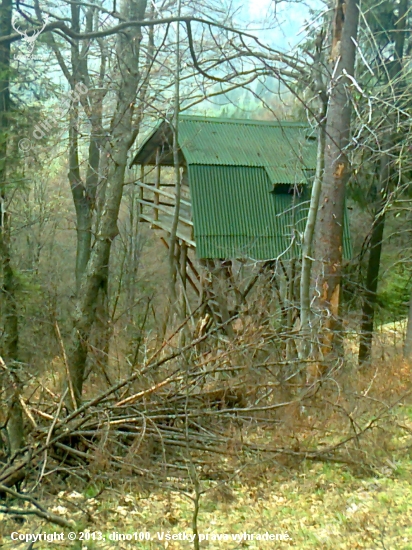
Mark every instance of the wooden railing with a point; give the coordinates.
(161, 213)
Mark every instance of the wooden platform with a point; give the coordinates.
(157, 207)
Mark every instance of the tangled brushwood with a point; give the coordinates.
(206, 411)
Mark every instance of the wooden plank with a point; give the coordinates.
(185, 221)
(157, 183)
(192, 284)
(141, 188)
(160, 202)
(183, 275)
(151, 185)
(192, 267)
(164, 193)
(161, 225)
(183, 260)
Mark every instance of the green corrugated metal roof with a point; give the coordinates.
(236, 215)
(283, 149)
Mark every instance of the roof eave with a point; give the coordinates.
(146, 154)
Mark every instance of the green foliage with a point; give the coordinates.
(92, 490)
(394, 292)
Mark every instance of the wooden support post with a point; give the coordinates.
(183, 272)
(215, 294)
(192, 267)
(291, 351)
(204, 283)
(227, 266)
(157, 186)
(185, 176)
(183, 261)
(141, 190)
(177, 258)
(188, 278)
(185, 189)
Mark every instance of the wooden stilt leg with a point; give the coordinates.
(183, 272)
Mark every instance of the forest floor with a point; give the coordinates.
(316, 505)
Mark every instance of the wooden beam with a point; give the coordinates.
(157, 185)
(183, 275)
(160, 202)
(192, 284)
(150, 187)
(183, 262)
(177, 258)
(188, 277)
(160, 225)
(141, 197)
(192, 267)
(185, 221)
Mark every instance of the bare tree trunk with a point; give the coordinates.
(372, 275)
(11, 383)
(102, 330)
(132, 252)
(407, 349)
(173, 264)
(9, 283)
(305, 278)
(122, 138)
(330, 219)
(392, 68)
(84, 200)
(81, 202)
(83, 192)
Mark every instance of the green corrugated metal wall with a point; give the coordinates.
(236, 215)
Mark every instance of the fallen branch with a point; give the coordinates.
(37, 510)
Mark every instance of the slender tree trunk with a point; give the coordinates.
(407, 349)
(102, 329)
(84, 201)
(82, 204)
(132, 252)
(330, 218)
(8, 286)
(393, 69)
(307, 244)
(173, 264)
(9, 283)
(372, 275)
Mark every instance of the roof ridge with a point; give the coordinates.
(224, 120)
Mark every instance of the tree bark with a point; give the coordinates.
(173, 264)
(330, 218)
(307, 243)
(407, 349)
(9, 283)
(372, 274)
